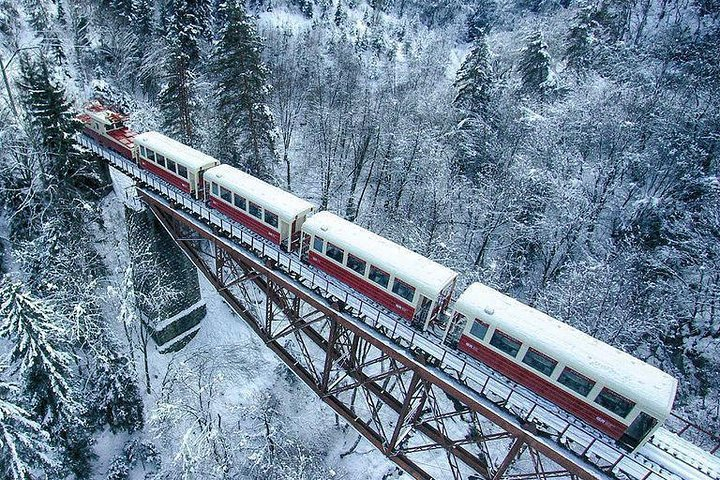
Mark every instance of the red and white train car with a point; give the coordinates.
(108, 129)
(615, 392)
(405, 282)
(263, 208)
(174, 162)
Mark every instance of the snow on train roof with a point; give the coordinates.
(648, 386)
(284, 204)
(177, 151)
(429, 277)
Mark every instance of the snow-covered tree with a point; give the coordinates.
(38, 348)
(580, 39)
(115, 398)
(242, 92)
(536, 66)
(55, 125)
(179, 95)
(24, 445)
(474, 80)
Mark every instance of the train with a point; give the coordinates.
(610, 390)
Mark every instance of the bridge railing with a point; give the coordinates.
(572, 434)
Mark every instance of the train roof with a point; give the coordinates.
(175, 150)
(286, 205)
(429, 277)
(650, 387)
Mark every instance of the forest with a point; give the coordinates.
(564, 152)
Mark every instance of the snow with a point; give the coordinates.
(286, 205)
(653, 389)
(179, 152)
(428, 277)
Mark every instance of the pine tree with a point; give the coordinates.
(479, 23)
(475, 80)
(116, 398)
(23, 442)
(37, 347)
(579, 40)
(177, 98)
(340, 14)
(535, 65)
(54, 123)
(242, 93)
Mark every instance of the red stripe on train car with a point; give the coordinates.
(181, 184)
(251, 222)
(362, 286)
(543, 387)
(106, 142)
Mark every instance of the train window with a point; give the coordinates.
(403, 289)
(538, 361)
(334, 252)
(378, 276)
(255, 210)
(215, 189)
(271, 219)
(505, 343)
(479, 329)
(182, 171)
(170, 165)
(614, 402)
(226, 194)
(143, 152)
(575, 381)
(239, 202)
(160, 160)
(357, 265)
(150, 155)
(318, 244)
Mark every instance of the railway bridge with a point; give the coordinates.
(433, 411)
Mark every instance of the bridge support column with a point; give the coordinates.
(166, 283)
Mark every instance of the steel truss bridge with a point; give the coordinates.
(430, 409)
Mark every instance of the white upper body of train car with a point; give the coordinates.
(175, 162)
(618, 394)
(266, 209)
(405, 282)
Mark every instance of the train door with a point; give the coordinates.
(454, 330)
(305, 247)
(422, 314)
(285, 238)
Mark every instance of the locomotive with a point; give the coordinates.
(615, 393)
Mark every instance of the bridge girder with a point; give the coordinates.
(417, 419)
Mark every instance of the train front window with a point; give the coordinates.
(357, 265)
(378, 276)
(575, 381)
(182, 171)
(334, 252)
(538, 361)
(505, 343)
(614, 402)
(479, 329)
(403, 289)
(215, 189)
(226, 194)
(318, 244)
(271, 219)
(239, 202)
